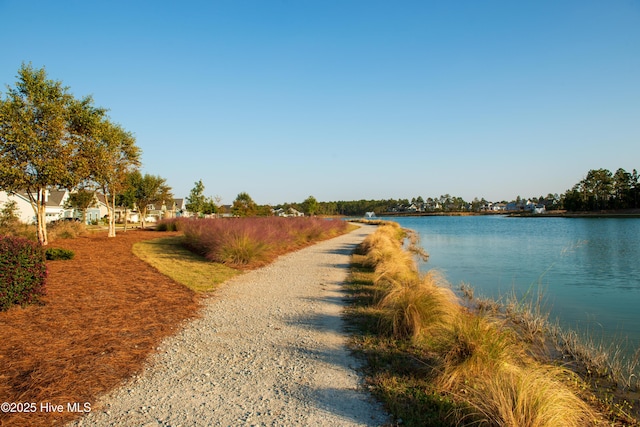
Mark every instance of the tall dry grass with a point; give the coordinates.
(531, 395)
(418, 308)
(481, 362)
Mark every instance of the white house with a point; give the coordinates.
(56, 200)
(54, 208)
(23, 206)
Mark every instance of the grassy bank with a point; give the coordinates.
(435, 362)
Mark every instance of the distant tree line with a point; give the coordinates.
(599, 190)
(603, 190)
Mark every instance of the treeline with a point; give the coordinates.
(599, 190)
(603, 190)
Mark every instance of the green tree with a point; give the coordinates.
(114, 155)
(126, 197)
(82, 200)
(150, 190)
(9, 214)
(196, 199)
(211, 205)
(622, 185)
(310, 205)
(244, 205)
(43, 130)
(597, 186)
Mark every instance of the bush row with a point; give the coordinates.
(252, 242)
(23, 271)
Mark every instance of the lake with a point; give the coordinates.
(588, 268)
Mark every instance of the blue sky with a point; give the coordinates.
(347, 100)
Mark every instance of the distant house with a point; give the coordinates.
(513, 206)
(286, 212)
(225, 211)
(97, 211)
(56, 207)
(293, 212)
(56, 202)
(180, 208)
(539, 208)
(23, 206)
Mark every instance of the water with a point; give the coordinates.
(588, 268)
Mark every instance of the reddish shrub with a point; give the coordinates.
(252, 242)
(23, 271)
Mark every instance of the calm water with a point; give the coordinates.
(588, 268)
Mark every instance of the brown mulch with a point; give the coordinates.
(104, 313)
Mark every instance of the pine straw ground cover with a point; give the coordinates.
(105, 311)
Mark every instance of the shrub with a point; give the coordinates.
(23, 271)
(172, 224)
(53, 254)
(252, 242)
(65, 230)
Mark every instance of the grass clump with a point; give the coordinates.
(170, 224)
(435, 362)
(54, 254)
(65, 230)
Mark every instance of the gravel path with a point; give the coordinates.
(269, 350)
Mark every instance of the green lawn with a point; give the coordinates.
(169, 257)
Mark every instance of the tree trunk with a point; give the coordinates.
(111, 215)
(42, 222)
(143, 214)
(125, 219)
(39, 206)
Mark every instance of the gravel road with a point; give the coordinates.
(269, 350)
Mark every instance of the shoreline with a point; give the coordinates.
(627, 213)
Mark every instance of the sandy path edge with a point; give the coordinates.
(268, 350)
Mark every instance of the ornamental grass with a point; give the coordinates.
(253, 242)
(474, 360)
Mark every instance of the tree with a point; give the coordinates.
(597, 187)
(43, 130)
(82, 200)
(244, 205)
(196, 200)
(149, 190)
(114, 155)
(622, 184)
(126, 198)
(9, 214)
(211, 205)
(310, 205)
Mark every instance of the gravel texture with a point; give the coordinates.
(269, 350)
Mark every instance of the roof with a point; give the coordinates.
(56, 198)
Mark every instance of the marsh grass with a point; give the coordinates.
(421, 342)
(417, 308)
(529, 395)
(171, 258)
